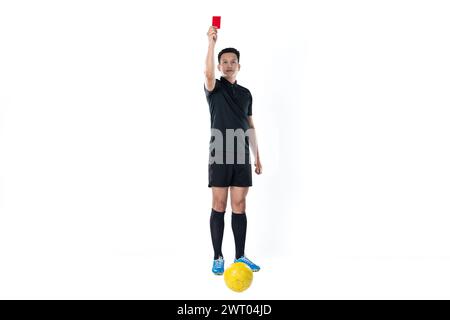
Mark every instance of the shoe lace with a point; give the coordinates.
(217, 263)
(245, 259)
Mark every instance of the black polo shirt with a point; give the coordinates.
(229, 105)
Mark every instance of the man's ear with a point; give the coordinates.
(218, 67)
(239, 67)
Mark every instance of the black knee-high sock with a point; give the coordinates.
(239, 225)
(217, 224)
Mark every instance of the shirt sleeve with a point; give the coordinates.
(216, 87)
(250, 111)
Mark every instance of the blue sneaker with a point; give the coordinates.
(218, 266)
(247, 261)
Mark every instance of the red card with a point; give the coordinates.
(216, 22)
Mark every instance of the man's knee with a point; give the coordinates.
(238, 206)
(219, 205)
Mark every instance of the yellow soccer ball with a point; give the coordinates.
(238, 277)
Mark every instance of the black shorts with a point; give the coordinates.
(227, 175)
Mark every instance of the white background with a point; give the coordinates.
(104, 148)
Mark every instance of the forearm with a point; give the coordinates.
(254, 143)
(209, 64)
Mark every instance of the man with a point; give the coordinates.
(229, 169)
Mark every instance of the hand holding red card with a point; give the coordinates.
(216, 22)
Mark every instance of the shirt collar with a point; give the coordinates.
(228, 83)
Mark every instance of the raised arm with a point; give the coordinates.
(210, 76)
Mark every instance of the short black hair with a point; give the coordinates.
(232, 50)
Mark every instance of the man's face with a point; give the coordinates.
(229, 65)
